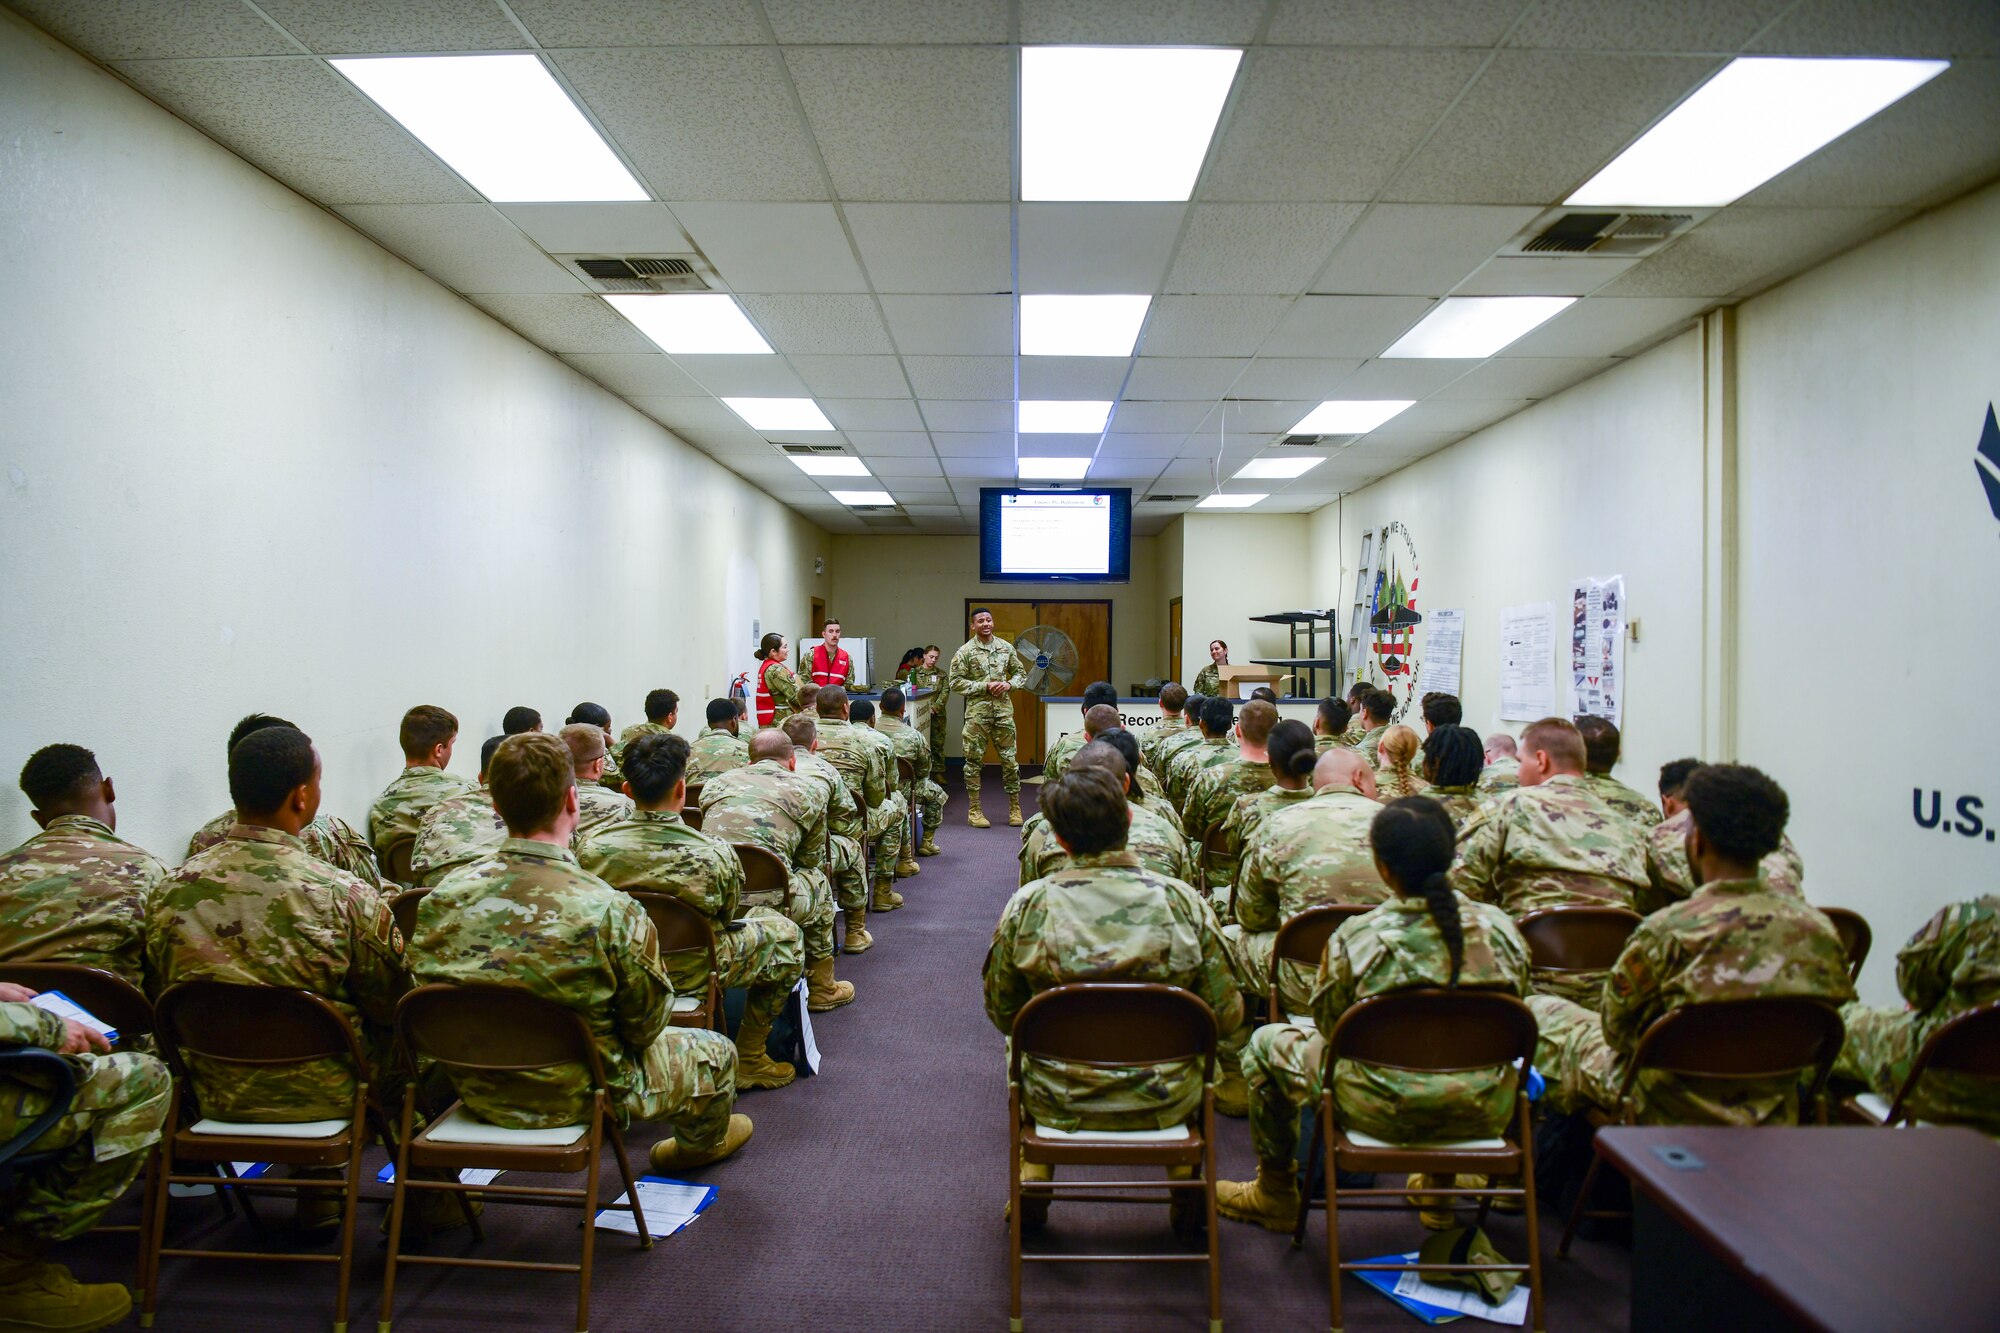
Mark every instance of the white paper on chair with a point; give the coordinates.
(670, 1205)
(1513, 1310)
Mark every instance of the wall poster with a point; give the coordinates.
(1527, 662)
(1596, 657)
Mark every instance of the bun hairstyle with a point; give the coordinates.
(1414, 839)
(1291, 749)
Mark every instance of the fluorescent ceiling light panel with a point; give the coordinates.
(779, 413)
(1476, 326)
(1081, 325)
(862, 497)
(1041, 416)
(693, 325)
(502, 122)
(1350, 416)
(1052, 469)
(1279, 467)
(830, 467)
(1119, 123)
(1747, 124)
(1231, 501)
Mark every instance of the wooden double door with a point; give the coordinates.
(1088, 625)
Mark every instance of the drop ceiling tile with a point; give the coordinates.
(558, 23)
(935, 490)
(855, 22)
(872, 413)
(1644, 25)
(1406, 23)
(903, 466)
(113, 31)
(1143, 417)
(979, 468)
(1185, 472)
(1154, 444)
(934, 247)
(1533, 275)
(1245, 417)
(932, 511)
(963, 415)
(1402, 378)
(852, 376)
(1742, 250)
(1608, 326)
(374, 27)
(744, 376)
(774, 247)
(1182, 376)
(951, 325)
(695, 414)
(1058, 446)
(819, 323)
(560, 323)
(1087, 249)
(1140, 22)
(673, 413)
(731, 442)
(1210, 326)
(1073, 376)
(613, 229)
(972, 444)
(1871, 27)
(1418, 249)
(305, 125)
(1330, 124)
(635, 376)
(467, 247)
(1525, 377)
(1275, 248)
(933, 124)
(1538, 124)
(1446, 416)
(900, 443)
(712, 122)
(1288, 377)
(1345, 326)
(961, 377)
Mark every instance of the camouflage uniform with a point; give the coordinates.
(782, 684)
(657, 850)
(1394, 784)
(1357, 731)
(1498, 776)
(329, 837)
(400, 808)
(456, 832)
(1310, 854)
(1622, 798)
(612, 778)
(1062, 752)
(1461, 803)
(258, 909)
(716, 750)
(596, 808)
(988, 719)
(768, 805)
(530, 918)
(924, 794)
(77, 893)
(1252, 809)
(633, 733)
(120, 1104)
(1188, 764)
(1207, 682)
(1166, 749)
(1733, 940)
(847, 866)
(1395, 947)
(1670, 879)
(1948, 967)
(1212, 798)
(1157, 803)
(1369, 747)
(1157, 844)
(851, 749)
(1323, 742)
(894, 817)
(1171, 725)
(927, 716)
(1555, 845)
(1107, 919)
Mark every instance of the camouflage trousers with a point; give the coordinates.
(1583, 989)
(1583, 1071)
(1250, 959)
(990, 724)
(1880, 1046)
(928, 798)
(849, 874)
(121, 1103)
(765, 955)
(889, 823)
(936, 729)
(686, 1078)
(812, 911)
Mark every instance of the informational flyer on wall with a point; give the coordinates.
(1596, 657)
(1527, 661)
(1444, 647)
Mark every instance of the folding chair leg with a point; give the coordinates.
(1533, 1219)
(350, 1205)
(590, 1220)
(153, 1239)
(1332, 1218)
(1014, 1231)
(398, 1201)
(1208, 1199)
(1582, 1202)
(153, 1184)
(631, 1186)
(1305, 1182)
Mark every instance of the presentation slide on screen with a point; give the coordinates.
(1055, 534)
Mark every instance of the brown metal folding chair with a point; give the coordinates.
(1724, 1040)
(1432, 1032)
(683, 930)
(1577, 939)
(106, 994)
(1302, 940)
(492, 1029)
(258, 1027)
(693, 801)
(691, 816)
(1855, 936)
(1214, 850)
(403, 907)
(767, 880)
(1122, 1025)
(396, 861)
(1968, 1045)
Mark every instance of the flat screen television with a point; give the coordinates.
(1055, 536)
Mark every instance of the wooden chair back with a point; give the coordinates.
(691, 816)
(404, 908)
(396, 861)
(1577, 939)
(1114, 1024)
(693, 799)
(106, 994)
(1773, 1038)
(763, 873)
(253, 1026)
(684, 930)
(494, 1029)
(1968, 1044)
(1434, 1031)
(1302, 940)
(1855, 936)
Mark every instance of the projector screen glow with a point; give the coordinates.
(1029, 536)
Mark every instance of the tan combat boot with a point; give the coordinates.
(1232, 1096)
(822, 991)
(754, 1066)
(886, 898)
(1271, 1201)
(1014, 809)
(668, 1155)
(858, 939)
(973, 814)
(930, 847)
(1434, 1210)
(1034, 1210)
(908, 865)
(46, 1298)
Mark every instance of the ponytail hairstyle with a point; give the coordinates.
(1291, 749)
(1414, 840)
(1453, 757)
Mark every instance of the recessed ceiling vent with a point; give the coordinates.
(1315, 441)
(643, 274)
(883, 516)
(1602, 235)
(1168, 499)
(810, 448)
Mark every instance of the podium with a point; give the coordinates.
(1238, 681)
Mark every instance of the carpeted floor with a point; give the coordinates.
(870, 1197)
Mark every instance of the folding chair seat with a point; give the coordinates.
(494, 1029)
(1124, 1025)
(1968, 1045)
(683, 930)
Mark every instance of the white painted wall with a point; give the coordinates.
(1234, 566)
(261, 464)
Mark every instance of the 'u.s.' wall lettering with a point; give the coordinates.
(1964, 816)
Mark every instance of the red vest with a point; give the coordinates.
(766, 709)
(833, 672)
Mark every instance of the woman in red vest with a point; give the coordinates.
(830, 664)
(777, 695)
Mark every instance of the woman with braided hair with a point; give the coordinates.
(1453, 760)
(1426, 935)
(1395, 764)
